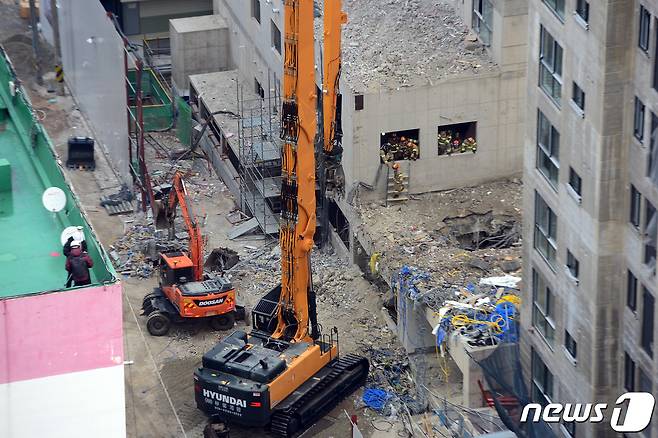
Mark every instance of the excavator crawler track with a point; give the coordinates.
(347, 373)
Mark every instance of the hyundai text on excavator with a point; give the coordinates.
(285, 373)
(184, 291)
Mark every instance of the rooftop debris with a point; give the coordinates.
(402, 43)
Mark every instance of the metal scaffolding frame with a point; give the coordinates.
(260, 156)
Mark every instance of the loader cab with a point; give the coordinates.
(175, 268)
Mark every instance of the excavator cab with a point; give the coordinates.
(175, 268)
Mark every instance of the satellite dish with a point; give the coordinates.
(76, 232)
(54, 199)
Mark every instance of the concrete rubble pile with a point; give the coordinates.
(261, 268)
(137, 252)
(434, 232)
(400, 43)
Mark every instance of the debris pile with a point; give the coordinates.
(456, 236)
(485, 314)
(390, 386)
(137, 252)
(260, 270)
(402, 43)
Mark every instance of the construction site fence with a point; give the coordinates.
(183, 121)
(158, 110)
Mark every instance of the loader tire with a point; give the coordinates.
(223, 322)
(158, 324)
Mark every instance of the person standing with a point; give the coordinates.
(78, 264)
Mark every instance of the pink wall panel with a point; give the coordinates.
(62, 332)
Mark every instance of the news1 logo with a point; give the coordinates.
(638, 412)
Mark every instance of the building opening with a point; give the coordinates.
(339, 222)
(399, 145)
(457, 138)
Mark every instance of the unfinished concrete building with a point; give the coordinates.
(400, 86)
(591, 187)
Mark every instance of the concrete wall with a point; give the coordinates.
(495, 101)
(597, 145)
(93, 58)
(509, 33)
(198, 45)
(640, 85)
(62, 367)
(251, 43)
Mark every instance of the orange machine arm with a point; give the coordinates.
(334, 18)
(178, 196)
(298, 130)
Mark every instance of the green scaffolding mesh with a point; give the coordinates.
(184, 122)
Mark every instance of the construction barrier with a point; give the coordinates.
(183, 121)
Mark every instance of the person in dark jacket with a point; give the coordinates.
(78, 263)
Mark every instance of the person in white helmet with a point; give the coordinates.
(79, 235)
(78, 264)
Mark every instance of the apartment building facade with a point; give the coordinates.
(590, 192)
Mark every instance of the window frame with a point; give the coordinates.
(653, 138)
(582, 11)
(543, 384)
(573, 266)
(639, 114)
(649, 213)
(647, 324)
(255, 10)
(359, 102)
(273, 28)
(631, 290)
(550, 63)
(635, 208)
(481, 17)
(575, 178)
(548, 154)
(629, 377)
(644, 32)
(553, 5)
(570, 347)
(577, 91)
(547, 231)
(542, 319)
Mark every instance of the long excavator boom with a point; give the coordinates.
(298, 219)
(178, 196)
(334, 18)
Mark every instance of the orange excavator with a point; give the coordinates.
(286, 373)
(185, 292)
